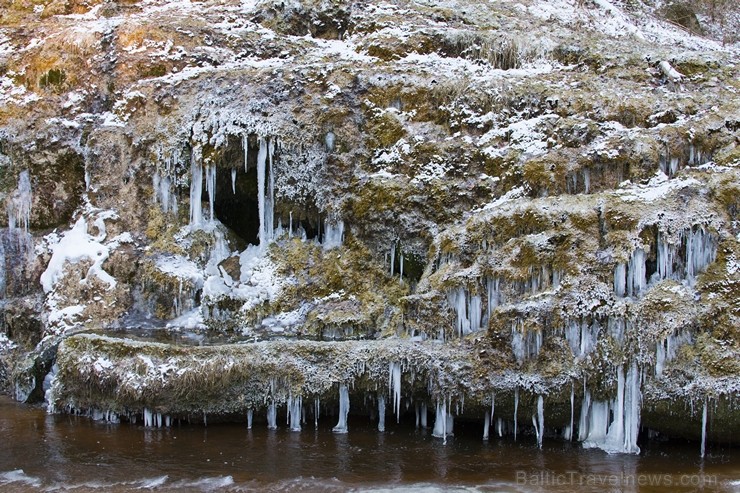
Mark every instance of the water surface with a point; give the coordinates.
(42, 452)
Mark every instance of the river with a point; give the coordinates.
(43, 452)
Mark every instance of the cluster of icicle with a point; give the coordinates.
(16, 242)
(700, 250)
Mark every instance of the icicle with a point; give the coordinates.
(261, 185)
(400, 277)
(270, 209)
(500, 427)
(516, 409)
(665, 258)
(494, 296)
(583, 420)
(457, 299)
(294, 412)
(250, 415)
(704, 428)
(441, 422)
(587, 179)
(245, 146)
(393, 258)
(333, 234)
(317, 409)
(539, 421)
(633, 404)
(476, 313)
(423, 411)
(271, 416)
(290, 225)
(486, 425)
(569, 435)
(341, 426)
(233, 181)
(211, 188)
(394, 377)
(329, 141)
(196, 192)
(620, 279)
(381, 412)
(700, 252)
(636, 281)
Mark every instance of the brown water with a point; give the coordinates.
(42, 452)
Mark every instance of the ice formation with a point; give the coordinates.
(443, 421)
(704, 428)
(613, 426)
(20, 202)
(333, 233)
(394, 377)
(341, 426)
(196, 194)
(271, 416)
(539, 421)
(468, 311)
(381, 413)
(295, 405)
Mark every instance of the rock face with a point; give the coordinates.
(467, 199)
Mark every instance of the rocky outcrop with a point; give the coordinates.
(471, 193)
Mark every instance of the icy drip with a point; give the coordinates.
(587, 180)
(666, 349)
(333, 233)
(20, 202)
(381, 412)
(316, 411)
(666, 258)
(704, 428)
(525, 345)
(294, 412)
(233, 181)
(468, 311)
(154, 420)
(400, 276)
(516, 409)
(620, 280)
(494, 295)
(394, 376)
(486, 425)
(271, 416)
(669, 165)
(636, 281)
(250, 416)
(583, 420)
(164, 194)
(211, 189)
(265, 191)
(329, 141)
(393, 258)
(270, 199)
(614, 426)
(443, 421)
(341, 426)
(632, 405)
(423, 414)
(539, 421)
(701, 251)
(196, 194)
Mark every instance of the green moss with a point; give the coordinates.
(384, 131)
(54, 78)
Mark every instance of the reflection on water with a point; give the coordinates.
(61, 453)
